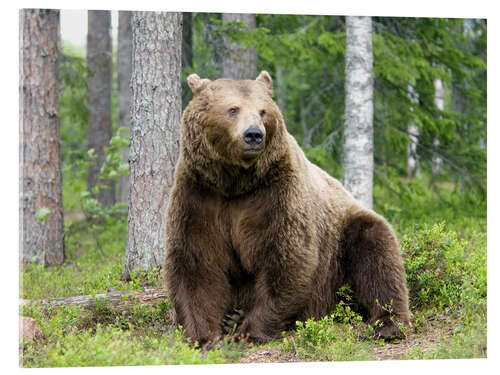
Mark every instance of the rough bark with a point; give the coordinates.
(155, 134)
(99, 81)
(358, 130)
(413, 164)
(239, 62)
(40, 178)
(118, 300)
(439, 103)
(124, 68)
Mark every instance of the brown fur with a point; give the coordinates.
(267, 232)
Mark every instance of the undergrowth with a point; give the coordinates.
(443, 240)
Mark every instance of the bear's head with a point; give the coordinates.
(235, 123)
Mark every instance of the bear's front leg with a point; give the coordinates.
(199, 296)
(195, 266)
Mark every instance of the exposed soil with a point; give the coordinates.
(268, 355)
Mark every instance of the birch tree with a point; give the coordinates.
(413, 165)
(99, 81)
(155, 134)
(40, 207)
(358, 127)
(124, 68)
(439, 103)
(239, 62)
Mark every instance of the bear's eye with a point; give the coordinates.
(262, 113)
(233, 111)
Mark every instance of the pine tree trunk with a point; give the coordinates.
(439, 103)
(358, 132)
(239, 62)
(40, 179)
(155, 134)
(124, 67)
(413, 164)
(99, 81)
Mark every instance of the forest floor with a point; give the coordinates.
(446, 272)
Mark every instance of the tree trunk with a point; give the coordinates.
(413, 164)
(439, 103)
(358, 131)
(124, 67)
(99, 81)
(155, 134)
(40, 178)
(239, 62)
(413, 168)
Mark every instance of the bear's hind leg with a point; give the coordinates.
(374, 270)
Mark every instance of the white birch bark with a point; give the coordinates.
(358, 131)
(439, 103)
(155, 134)
(413, 166)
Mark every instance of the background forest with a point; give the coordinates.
(430, 145)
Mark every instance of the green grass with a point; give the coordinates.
(113, 346)
(443, 238)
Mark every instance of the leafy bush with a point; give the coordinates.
(335, 337)
(438, 267)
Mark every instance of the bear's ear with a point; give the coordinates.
(196, 83)
(265, 78)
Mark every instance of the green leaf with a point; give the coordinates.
(43, 214)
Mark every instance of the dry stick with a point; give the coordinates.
(118, 300)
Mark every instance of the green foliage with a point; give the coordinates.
(207, 46)
(99, 218)
(42, 214)
(335, 337)
(405, 202)
(440, 269)
(87, 270)
(73, 112)
(111, 346)
(323, 159)
(103, 337)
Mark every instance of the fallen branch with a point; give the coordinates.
(118, 300)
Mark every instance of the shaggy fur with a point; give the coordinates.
(263, 229)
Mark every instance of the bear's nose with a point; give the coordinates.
(253, 136)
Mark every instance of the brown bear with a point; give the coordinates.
(253, 225)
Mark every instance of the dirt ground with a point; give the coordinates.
(438, 331)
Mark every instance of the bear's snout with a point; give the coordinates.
(253, 136)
